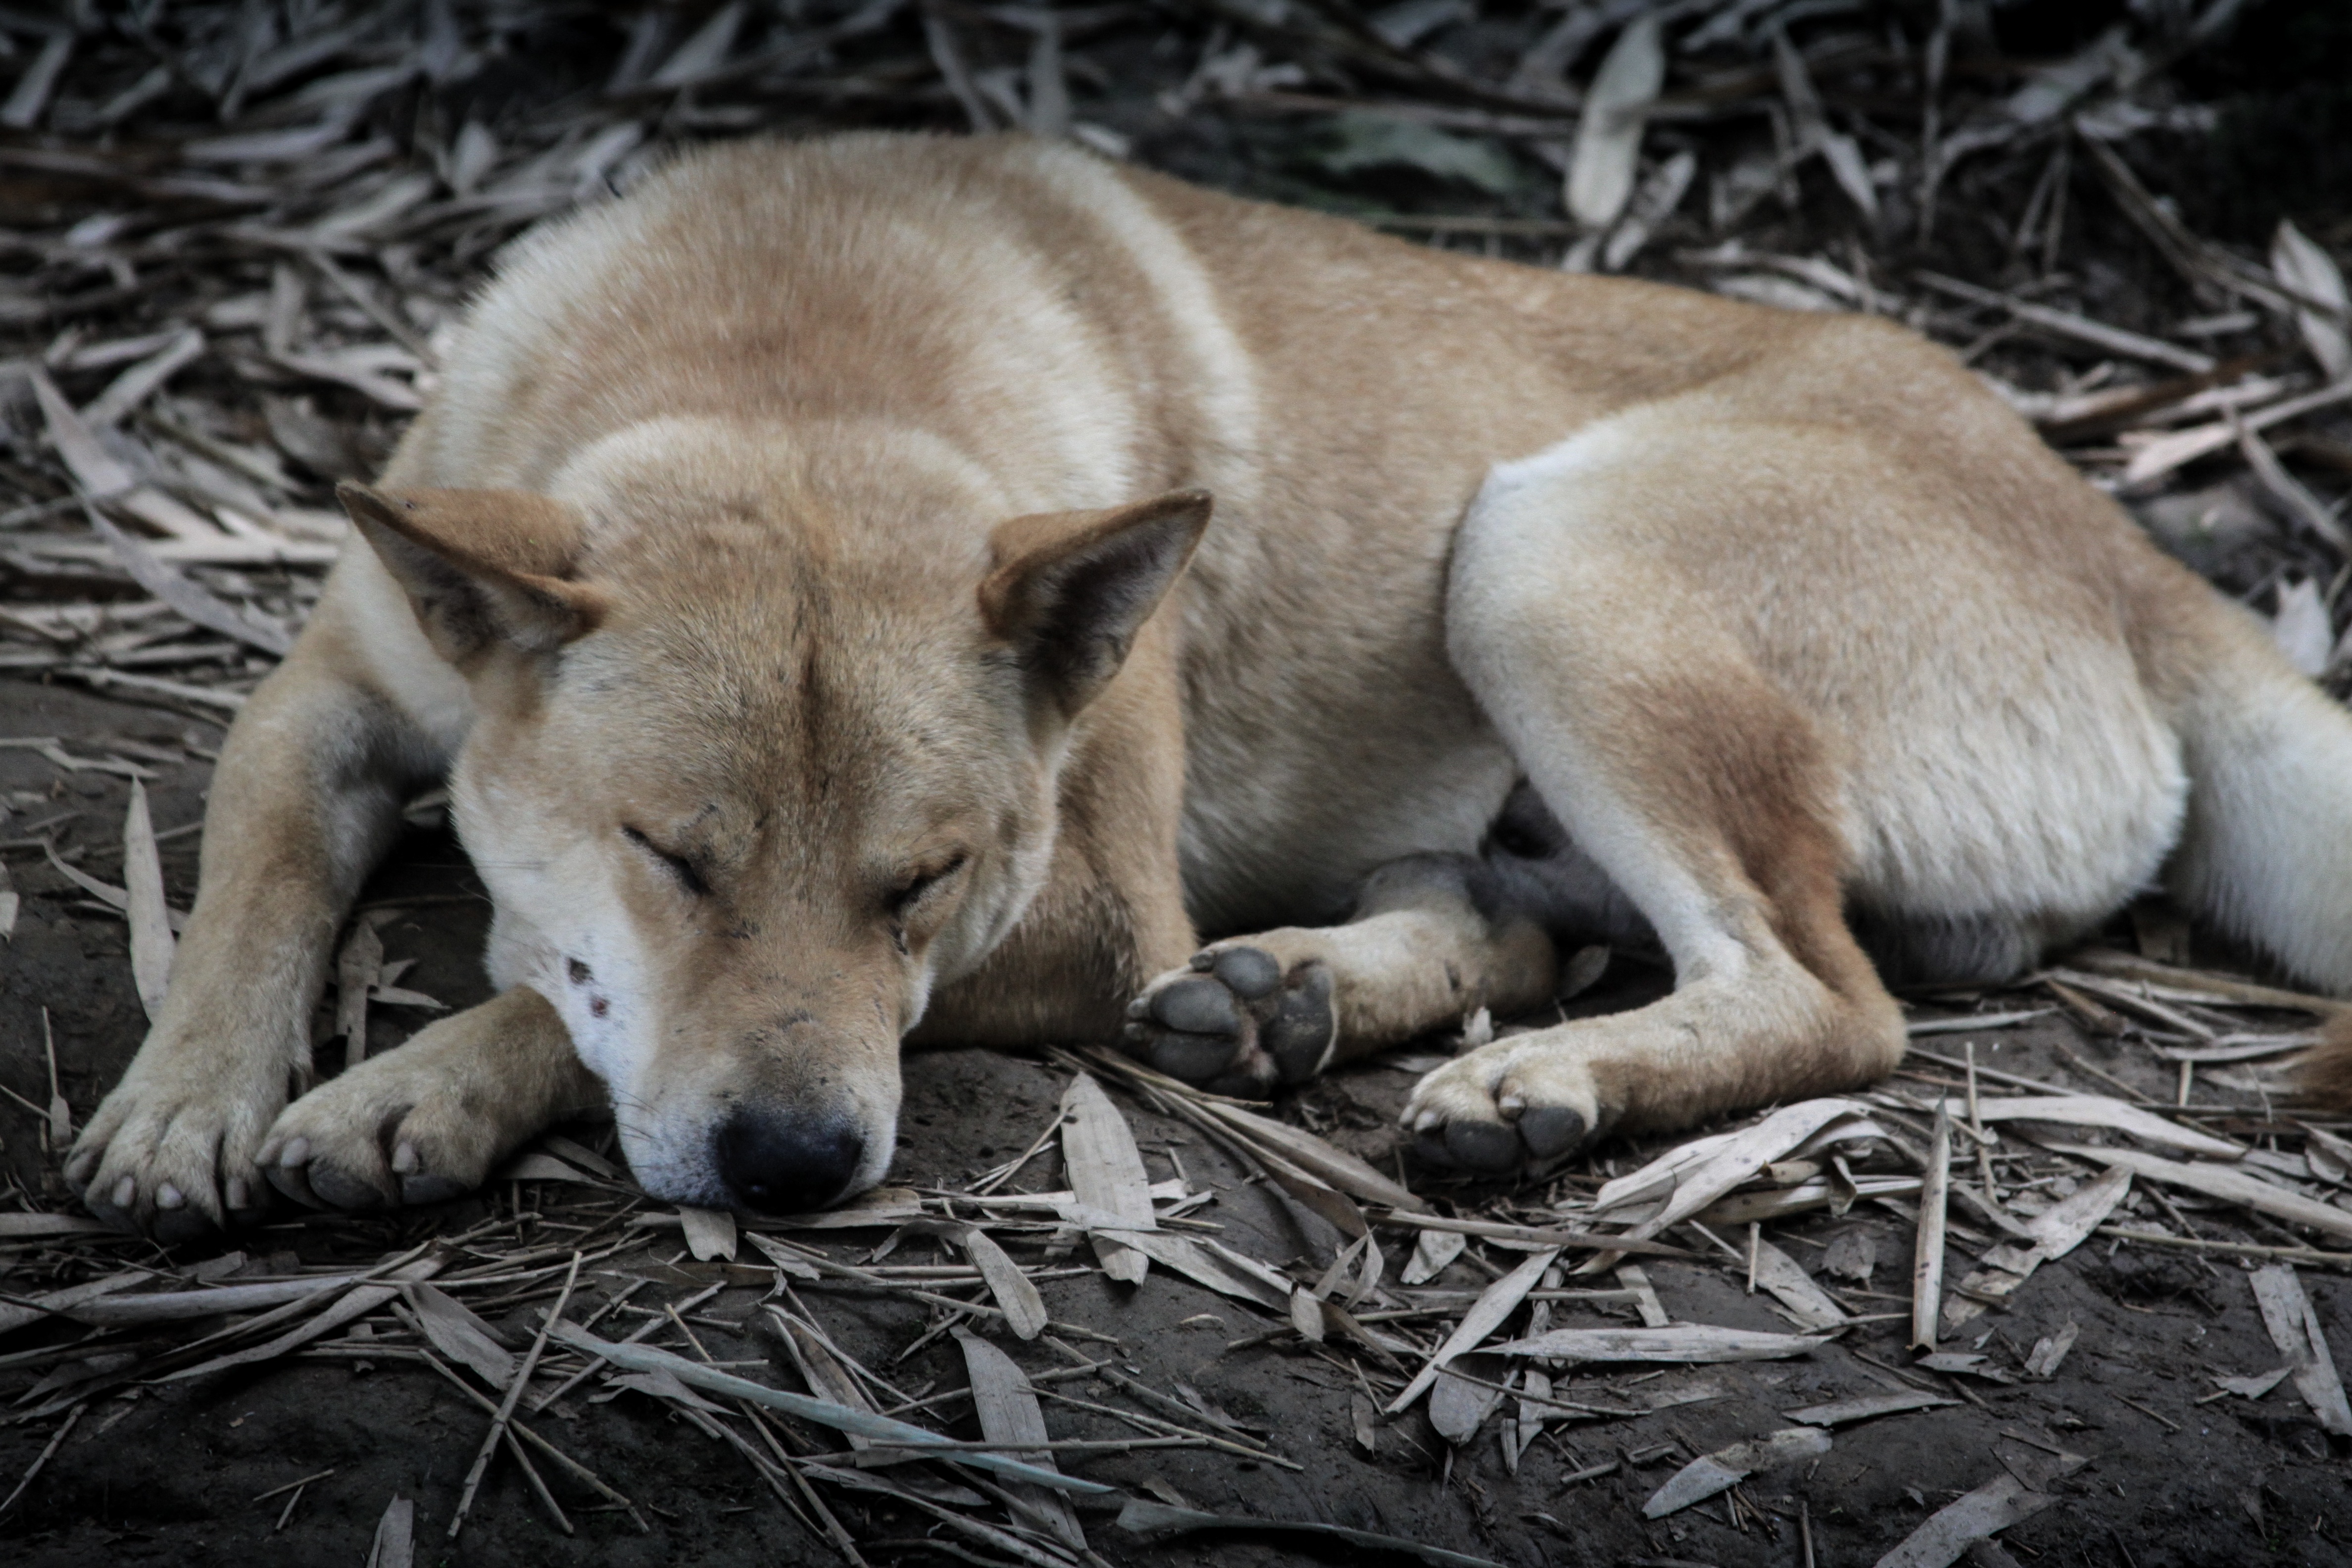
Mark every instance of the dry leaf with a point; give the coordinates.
(1987, 1511)
(1698, 1342)
(1433, 1252)
(1023, 1308)
(395, 1545)
(2294, 1326)
(1107, 1173)
(150, 916)
(1807, 1302)
(356, 1302)
(2097, 1110)
(15, 1315)
(1158, 1521)
(2221, 1181)
(1841, 1412)
(2300, 628)
(1851, 1255)
(1009, 1413)
(2057, 1232)
(1704, 1476)
(1609, 136)
(823, 1411)
(461, 1335)
(1465, 1393)
(709, 1233)
(2256, 1387)
(1730, 1160)
(357, 968)
(537, 1165)
(2300, 264)
(2051, 1350)
(1498, 1302)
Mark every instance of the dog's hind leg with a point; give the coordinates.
(431, 1118)
(1434, 937)
(1704, 794)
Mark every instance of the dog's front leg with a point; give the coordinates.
(430, 1120)
(306, 798)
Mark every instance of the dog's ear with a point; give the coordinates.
(1070, 589)
(481, 565)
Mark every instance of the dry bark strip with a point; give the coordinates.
(1928, 1256)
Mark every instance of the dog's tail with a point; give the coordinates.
(2266, 852)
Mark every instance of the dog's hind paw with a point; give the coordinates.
(1502, 1106)
(1234, 1022)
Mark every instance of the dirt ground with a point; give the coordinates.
(2151, 1463)
(172, 1472)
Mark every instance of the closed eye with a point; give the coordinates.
(679, 867)
(909, 892)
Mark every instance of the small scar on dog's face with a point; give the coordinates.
(580, 974)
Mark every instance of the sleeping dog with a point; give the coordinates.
(890, 585)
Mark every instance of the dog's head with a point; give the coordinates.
(745, 789)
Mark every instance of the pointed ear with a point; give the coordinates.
(481, 566)
(1070, 589)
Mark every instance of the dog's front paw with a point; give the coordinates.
(406, 1127)
(1502, 1105)
(171, 1152)
(1234, 1022)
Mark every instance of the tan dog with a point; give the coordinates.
(771, 581)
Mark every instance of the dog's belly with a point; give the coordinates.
(1282, 823)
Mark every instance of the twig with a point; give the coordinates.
(515, 1424)
(56, 1438)
(505, 1407)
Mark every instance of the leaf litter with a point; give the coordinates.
(295, 248)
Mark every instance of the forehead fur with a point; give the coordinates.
(794, 619)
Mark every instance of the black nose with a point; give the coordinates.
(779, 1164)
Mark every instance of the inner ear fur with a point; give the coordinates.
(481, 566)
(1070, 589)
